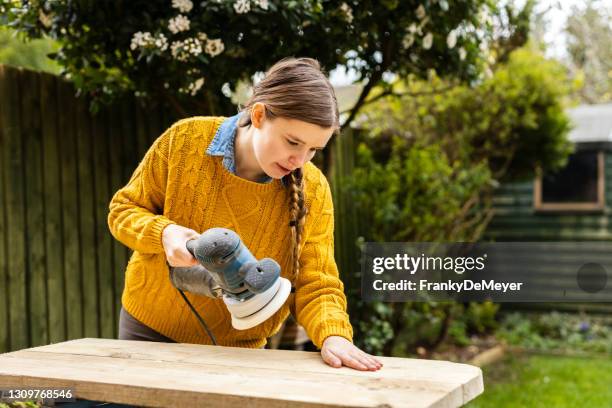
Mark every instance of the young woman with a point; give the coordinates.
(250, 173)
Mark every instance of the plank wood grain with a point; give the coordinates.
(170, 374)
(12, 161)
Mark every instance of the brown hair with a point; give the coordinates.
(295, 88)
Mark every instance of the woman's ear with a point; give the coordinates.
(258, 114)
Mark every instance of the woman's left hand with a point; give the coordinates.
(338, 351)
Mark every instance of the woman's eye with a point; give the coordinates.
(292, 143)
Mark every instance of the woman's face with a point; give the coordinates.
(282, 145)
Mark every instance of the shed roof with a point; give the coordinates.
(592, 123)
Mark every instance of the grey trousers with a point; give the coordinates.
(132, 329)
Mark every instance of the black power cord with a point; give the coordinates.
(202, 322)
(195, 312)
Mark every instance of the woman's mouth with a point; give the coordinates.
(285, 170)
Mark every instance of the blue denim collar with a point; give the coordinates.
(223, 145)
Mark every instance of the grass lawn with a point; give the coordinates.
(547, 381)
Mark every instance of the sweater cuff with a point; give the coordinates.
(158, 226)
(332, 329)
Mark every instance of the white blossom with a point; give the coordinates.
(462, 53)
(484, 17)
(263, 4)
(184, 6)
(161, 42)
(408, 40)
(242, 6)
(226, 90)
(348, 12)
(140, 39)
(451, 39)
(422, 24)
(182, 50)
(178, 24)
(214, 47)
(420, 12)
(193, 87)
(146, 40)
(202, 36)
(428, 41)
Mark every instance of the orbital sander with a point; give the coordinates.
(252, 289)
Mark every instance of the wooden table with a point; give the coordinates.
(189, 375)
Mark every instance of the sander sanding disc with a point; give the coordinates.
(263, 314)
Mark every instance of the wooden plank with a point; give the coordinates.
(4, 294)
(130, 152)
(15, 210)
(116, 178)
(34, 207)
(53, 209)
(156, 124)
(103, 237)
(70, 219)
(87, 234)
(129, 160)
(142, 133)
(133, 133)
(168, 118)
(129, 127)
(170, 374)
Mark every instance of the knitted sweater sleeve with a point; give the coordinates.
(135, 211)
(320, 302)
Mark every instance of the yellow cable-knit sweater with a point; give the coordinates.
(177, 182)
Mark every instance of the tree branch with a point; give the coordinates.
(404, 94)
(374, 78)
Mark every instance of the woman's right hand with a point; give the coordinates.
(174, 240)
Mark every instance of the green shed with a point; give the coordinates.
(573, 204)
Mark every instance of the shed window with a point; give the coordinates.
(578, 186)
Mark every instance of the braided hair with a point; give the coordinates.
(298, 213)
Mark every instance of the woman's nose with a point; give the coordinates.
(298, 160)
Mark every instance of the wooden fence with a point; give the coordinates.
(61, 271)
(348, 225)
